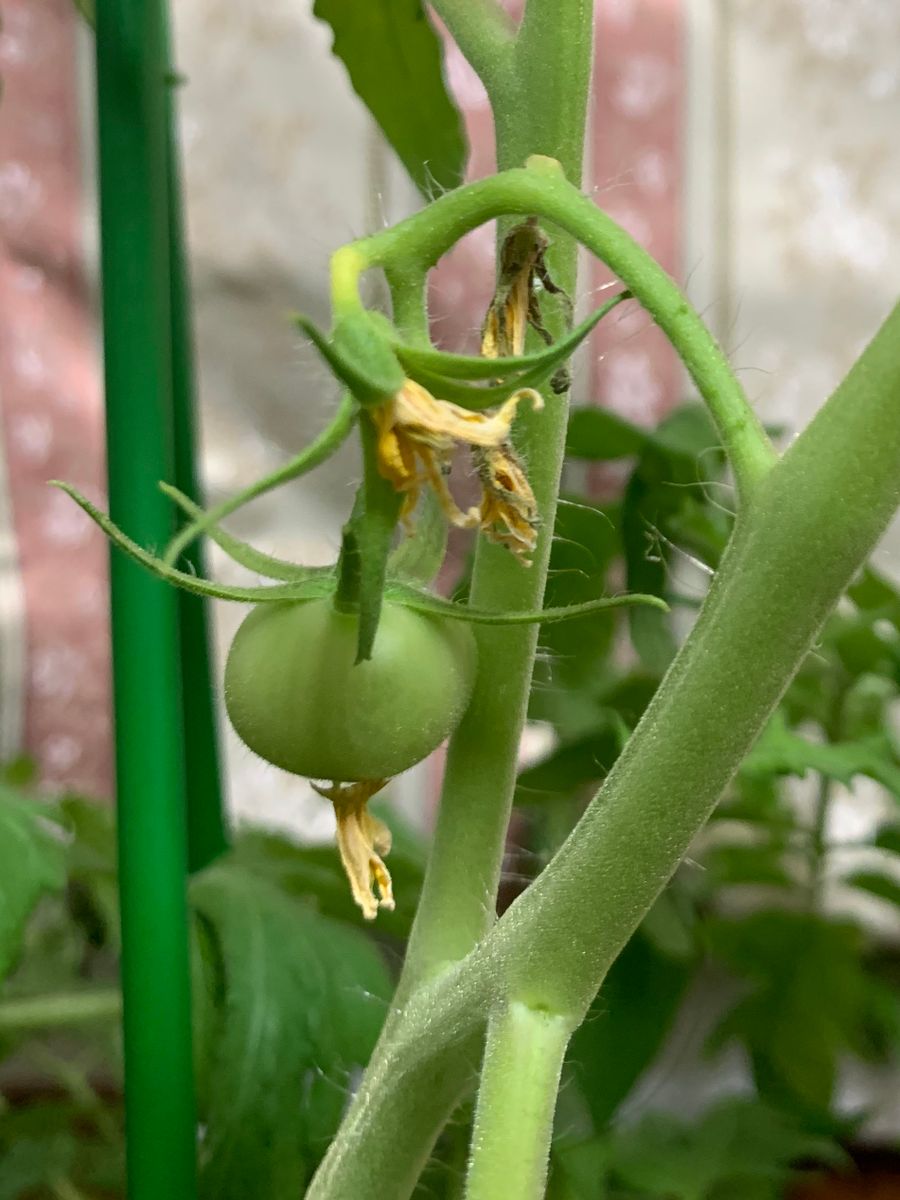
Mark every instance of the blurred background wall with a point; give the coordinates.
(747, 144)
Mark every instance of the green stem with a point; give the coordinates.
(484, 32)
(458, 901)
(790, 561)
(539, 189)
(784, 571)
(72, 1008)
(523, 1060)
(307, 460)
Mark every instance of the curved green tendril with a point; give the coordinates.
(316, 582)
(525, 367)
(424, 602)
(312, 456)
(239, 551)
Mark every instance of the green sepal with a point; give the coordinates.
(419, 556)
(314, 583)
(526, 367)
(311, 456)
(360, 354)
(425, 602)
(366, 545)
(239, 551)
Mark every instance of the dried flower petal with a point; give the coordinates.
(362, 841)
(508, 514)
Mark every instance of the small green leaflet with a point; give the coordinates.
(310, 582)
(302, 1001)
(739, 1148)
(32, 862)
(810, 999)
(781, 751)
(393, 57)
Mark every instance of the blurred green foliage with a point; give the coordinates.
(290, 990)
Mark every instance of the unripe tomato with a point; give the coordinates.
(295, 696)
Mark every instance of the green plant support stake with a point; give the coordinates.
(206, 828)
(149, 755)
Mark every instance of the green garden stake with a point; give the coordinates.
(159, 1092)
(206, 827)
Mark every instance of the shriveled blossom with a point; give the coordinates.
(362, 840)
(417, 434)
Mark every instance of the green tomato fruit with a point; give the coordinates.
(295, 696)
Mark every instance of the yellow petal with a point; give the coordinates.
(362, 840)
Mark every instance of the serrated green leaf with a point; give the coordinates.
(888, 838)
(737, 1145)
(782, 751)
(626, 1025)
(671, 474)
(303, 1001)
(876, 883)
(598, 435)
(394, 60)
(32, 862)
(419, 556)
(810, 999)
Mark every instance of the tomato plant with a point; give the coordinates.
(297, 697)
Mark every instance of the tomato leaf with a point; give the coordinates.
(781, 751)
(740, 1148)
(419, 556)
(32, 863)
(667, 483)
(627, 1025)
(810, 998)
(876, 883)
(393, 57)
(303, 1001)
(598, 435)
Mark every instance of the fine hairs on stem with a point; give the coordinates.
(500, 998)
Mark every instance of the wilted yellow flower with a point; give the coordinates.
(508, 513)
(417, 434)
(362, 840)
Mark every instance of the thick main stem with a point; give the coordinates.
(809, 530)
(458, 900)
